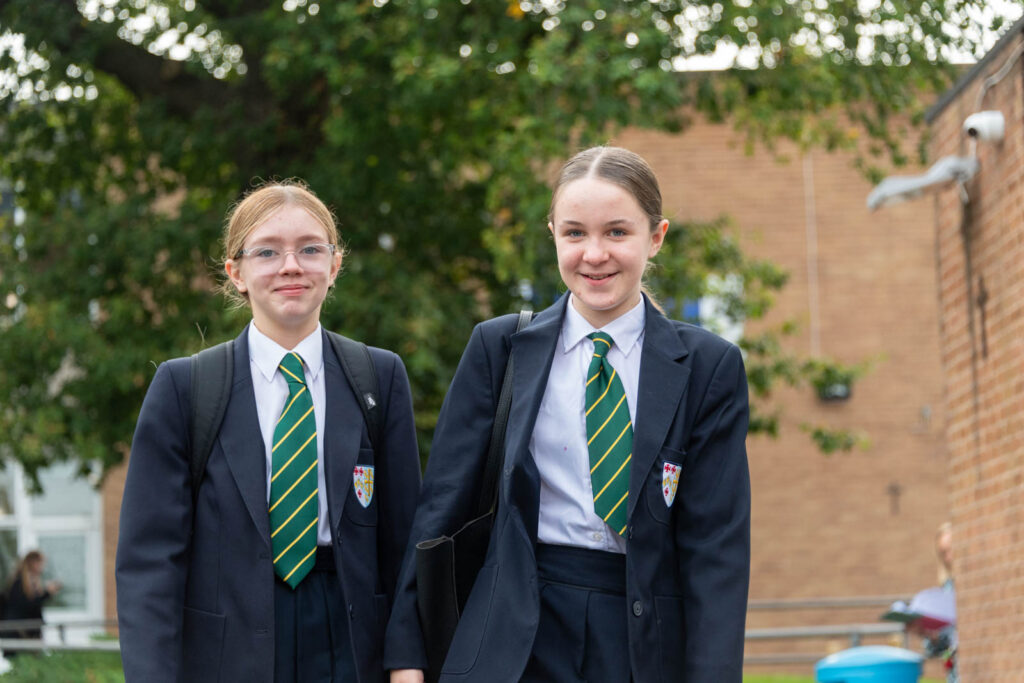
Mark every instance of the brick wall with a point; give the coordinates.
(113, 488)
(981, 249)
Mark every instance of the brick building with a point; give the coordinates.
(980, 262)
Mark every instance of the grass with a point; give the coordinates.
(66, 667)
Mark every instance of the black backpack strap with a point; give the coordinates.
(357, 364)
(496, 450)
(210, 374)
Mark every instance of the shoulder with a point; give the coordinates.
(698, 339)
(708, 355)
(497, 329)
(387, 365)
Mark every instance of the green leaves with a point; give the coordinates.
(431, 128)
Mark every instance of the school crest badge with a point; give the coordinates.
(362, 482)
(670, 482)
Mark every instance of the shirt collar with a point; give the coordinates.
(626, 330)
(267, 353)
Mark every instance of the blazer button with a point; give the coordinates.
(638, 608)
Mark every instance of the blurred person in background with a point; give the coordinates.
(26, 593)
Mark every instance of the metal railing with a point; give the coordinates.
(9, 627)
(855, 633)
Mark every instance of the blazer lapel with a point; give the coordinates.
(662, 385)
(242, 442)
(343, 433)
(533, 349)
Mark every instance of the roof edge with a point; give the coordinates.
(965, 80)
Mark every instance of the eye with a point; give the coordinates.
(573, 233)
(617, 232)
(263, 252)
(314, 249)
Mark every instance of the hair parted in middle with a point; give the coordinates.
(257, 206)
(616, 165)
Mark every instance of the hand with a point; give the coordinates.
(53, 587)
(406, 676)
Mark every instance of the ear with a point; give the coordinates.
(551, 229)
(658, 238)
(234, 271)
(335, 266)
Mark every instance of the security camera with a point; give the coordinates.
(987, 126)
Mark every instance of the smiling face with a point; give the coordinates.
(285, 298)
(603, 240)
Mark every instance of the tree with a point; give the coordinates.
(429, 126)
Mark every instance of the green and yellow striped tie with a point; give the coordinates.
(293, 481)
(609, 436)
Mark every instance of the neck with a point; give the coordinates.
(287, 336)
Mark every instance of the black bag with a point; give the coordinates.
(446, 567)
(210, 396)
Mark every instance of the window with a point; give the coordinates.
(64, 522)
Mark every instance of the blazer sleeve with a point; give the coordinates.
(450, 488)
(399, 472)
(155, 529)
(713, 528)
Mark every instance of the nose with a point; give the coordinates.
(594, 251)
(290, 262)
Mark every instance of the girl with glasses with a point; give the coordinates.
(281, 566)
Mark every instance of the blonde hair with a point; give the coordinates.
(258, 205)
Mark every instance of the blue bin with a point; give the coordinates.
(875, 663)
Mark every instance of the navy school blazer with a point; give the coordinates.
(195, 586)
(687, 565)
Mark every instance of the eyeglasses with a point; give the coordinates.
(316, 255)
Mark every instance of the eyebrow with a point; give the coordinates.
(303, 239)
(611, 223)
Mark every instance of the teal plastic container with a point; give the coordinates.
(875, 663)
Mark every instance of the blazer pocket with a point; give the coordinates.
(661, 490)
(202, 642)
(361, 501)
(671, 615)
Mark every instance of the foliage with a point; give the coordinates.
(431, 127)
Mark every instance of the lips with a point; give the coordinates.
(290, 290)
(594, 277)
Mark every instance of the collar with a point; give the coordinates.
(625, 330)
(267, 353)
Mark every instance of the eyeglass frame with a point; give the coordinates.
(331, 248)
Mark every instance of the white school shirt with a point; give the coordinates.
(271, 390)
(559, 441)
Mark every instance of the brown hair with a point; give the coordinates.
(616, 165)
(30, 583)
(256, 207)
(620, 167)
